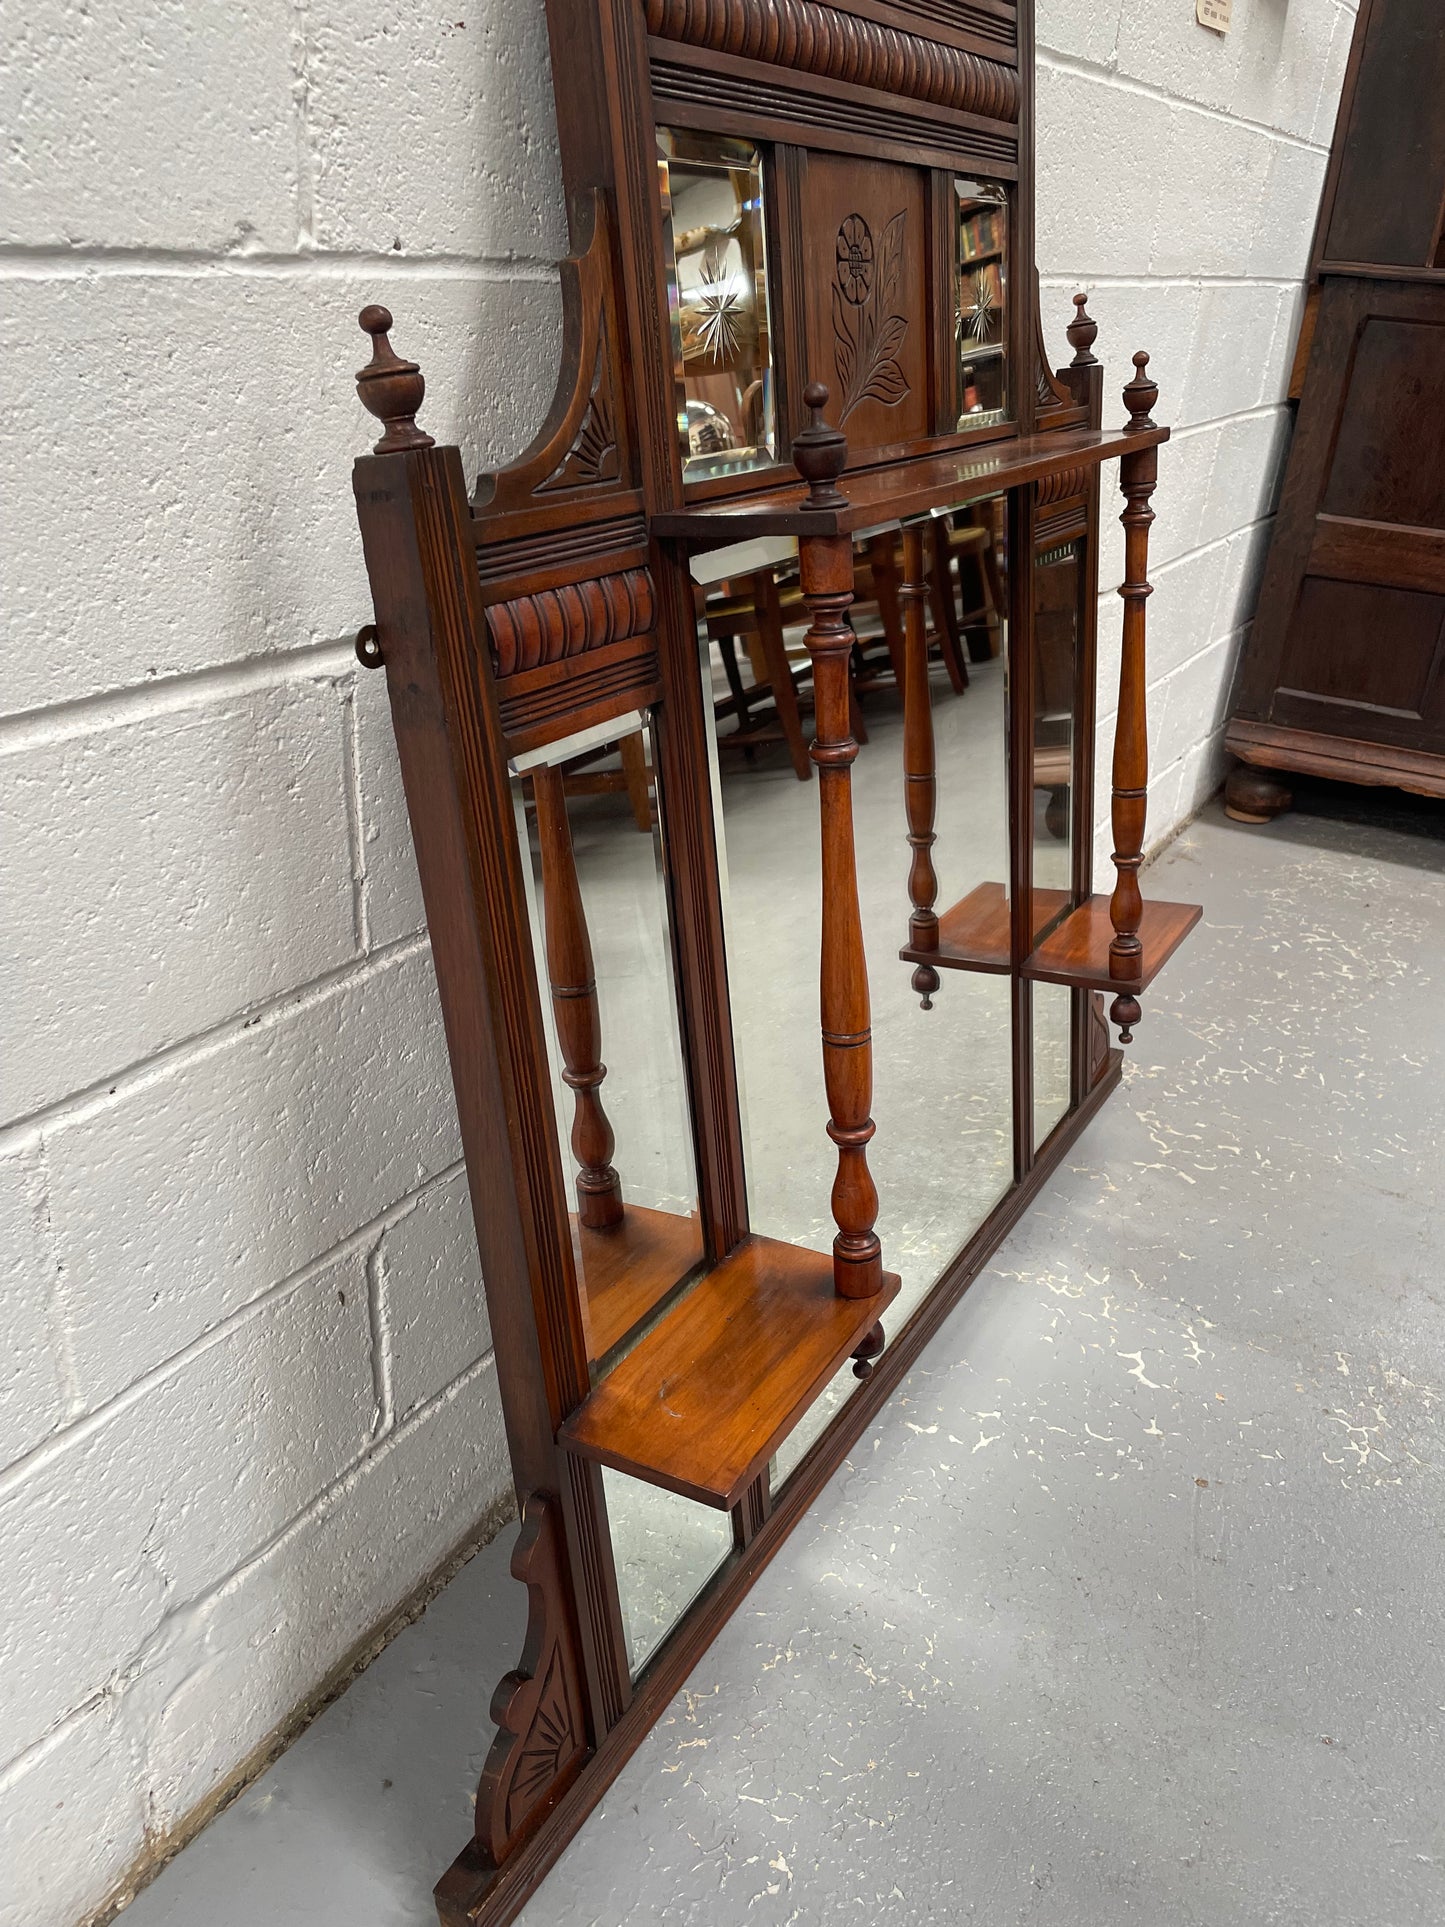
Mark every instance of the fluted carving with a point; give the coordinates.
(556, 623)
(816, 39)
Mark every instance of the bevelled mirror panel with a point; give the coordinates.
(981, 292)
(713, 227)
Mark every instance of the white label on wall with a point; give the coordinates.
(1214, 13)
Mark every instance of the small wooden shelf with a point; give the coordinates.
(975, 933)
(704, 1400)
(895, 490)
(1077, 952)
(628, 1270)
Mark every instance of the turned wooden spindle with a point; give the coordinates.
(574, 1003)
(1083, 332)
(825, 563)
(920, 785)
(390, 388)
(1138, 472)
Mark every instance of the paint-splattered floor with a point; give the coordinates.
(1131, 1605)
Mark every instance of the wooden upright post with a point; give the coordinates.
(1138, 472)
(573, 981)
(826, 571)
(920, 784)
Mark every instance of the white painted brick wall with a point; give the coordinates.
(246, 1396)
(1179, 175)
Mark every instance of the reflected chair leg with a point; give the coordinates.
(779, 674)
(883, 568)
(574, 1003)
(638, 779)
(1138, 472)
(945, 613)
(920, 787)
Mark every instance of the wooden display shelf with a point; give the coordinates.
(975, 934)
(701, 1404)
(1077, 952)
(898, 489)
(628, 1270)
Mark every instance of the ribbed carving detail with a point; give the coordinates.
(816, 39)
(1062, 486)
(557, 623)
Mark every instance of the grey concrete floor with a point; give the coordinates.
(1129, 1606)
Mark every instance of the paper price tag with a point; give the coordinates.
(1214, 13)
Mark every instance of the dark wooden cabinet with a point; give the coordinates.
(705, 1030)
(1344, 671)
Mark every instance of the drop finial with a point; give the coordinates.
(1083, 332)
(390, 388)
(1125, 1012)
(820, 453)
(1141, 395)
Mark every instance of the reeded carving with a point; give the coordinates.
(556, 623)
(1061, 486)
(812, 38)
(867, 329)
(539, 1706)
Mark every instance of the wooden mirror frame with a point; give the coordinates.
(555, 596)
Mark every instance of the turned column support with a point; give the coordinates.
(826, 574)
(920, 784)
(573, 982)
(1138, 471)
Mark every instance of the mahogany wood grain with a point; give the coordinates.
(1137, 475)
(703, 1402)
(627, 1271)
(975, 932)
(1080, 950)
(825, 569)
(895, 490)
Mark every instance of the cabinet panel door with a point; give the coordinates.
(1350, 634)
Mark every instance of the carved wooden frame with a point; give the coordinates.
(556, 596)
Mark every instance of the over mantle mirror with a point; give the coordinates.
(747, 727)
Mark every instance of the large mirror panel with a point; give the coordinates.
(943, 1091)
(587, 819)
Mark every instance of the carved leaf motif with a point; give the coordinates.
(845, 355)
(867, 329)
(891, 253)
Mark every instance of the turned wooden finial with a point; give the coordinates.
(1083, 332)
(820, 453)
(1141, 395)
(390, 388)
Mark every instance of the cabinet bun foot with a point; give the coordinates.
(1255, 795)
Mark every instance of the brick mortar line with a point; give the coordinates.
(104, 709)
(15, 1769)
(1126, 83)
(143, 1072)
(15, 1476)
(57, 261)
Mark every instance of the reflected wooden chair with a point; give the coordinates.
(634, 776)
(877, 580)
(756, 611)
(965, 565)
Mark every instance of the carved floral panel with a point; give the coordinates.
(866, 277)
